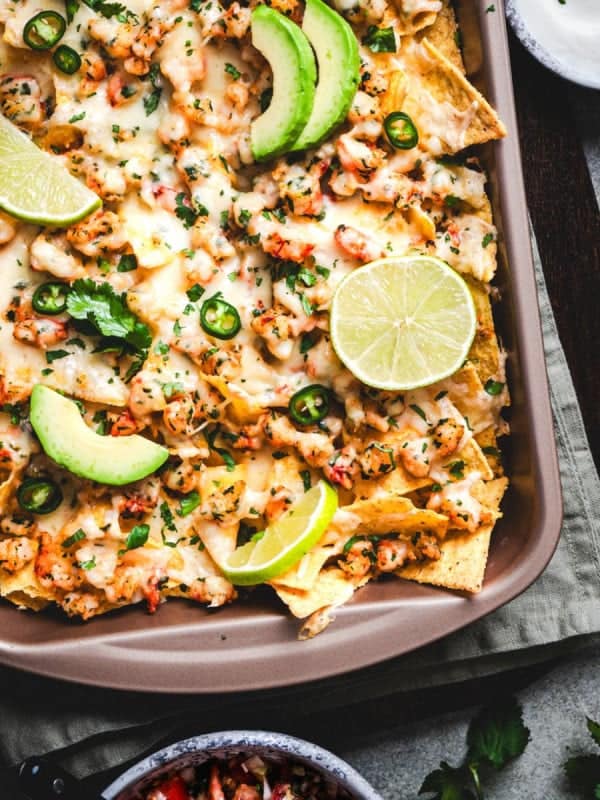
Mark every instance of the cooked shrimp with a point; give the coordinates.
(315, 448)
(274, 327)
(16, 553)
(359, 559)
(50, 252)
(21, 100)
(98, 234)
(42, 333)
(391, 554)
(94, 72)
(357, 244)
(7, 229)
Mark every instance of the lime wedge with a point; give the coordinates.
(285, 541)
(35, 187)
(403, 322)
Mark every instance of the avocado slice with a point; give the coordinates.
(292, 61)
(71, 443)
(336, 47)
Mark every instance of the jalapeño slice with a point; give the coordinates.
(66, 59)
(44, 30)
(401, 131)
(219, 318)
(50, 298)
(310, 405)
(39, 495)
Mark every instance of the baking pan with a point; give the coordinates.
(253, 645)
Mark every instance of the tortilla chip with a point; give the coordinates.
(485, 350)
(444, 35)
(394, 514)
(332, 588)
(219, 540)
(23, 588)
(464, 555)
(304, 574)
(488, 441)
(443, 88)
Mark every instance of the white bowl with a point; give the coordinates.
(529, 21)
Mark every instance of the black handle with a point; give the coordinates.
(41, 779)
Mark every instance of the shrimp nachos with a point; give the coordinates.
(246, 332)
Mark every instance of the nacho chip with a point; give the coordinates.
(304, 574)
(444, 35)
(485, 351)
(488, 441)
(464, 555)
(446, 107)
(332, 588)
(394, 514)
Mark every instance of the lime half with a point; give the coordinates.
(284, 542)
(35, 187)
(401, 323)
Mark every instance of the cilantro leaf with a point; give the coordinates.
(594, 729)
(497, 734)
(584, 773)
(137, 537)
(448, 783)
(108, 314)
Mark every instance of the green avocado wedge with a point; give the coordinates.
(292, 61)
(338, 60)
(72, 444)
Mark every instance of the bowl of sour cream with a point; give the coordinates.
(564, 35)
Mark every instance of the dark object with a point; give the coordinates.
(44, 30)
(310, 405)
(401, 131)
(183, 646)
(219, 318)
(66, 59)
(224, 745)
(50, 298)
(40, 779)
(39, 495)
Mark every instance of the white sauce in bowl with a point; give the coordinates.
(563, 36)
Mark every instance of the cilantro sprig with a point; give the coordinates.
(583, 772)
(109, 315)
(495, 737)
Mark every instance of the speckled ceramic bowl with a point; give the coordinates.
(580, 72)
(226, 744)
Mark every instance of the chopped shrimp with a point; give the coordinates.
(237, 93)
(315, 448)
(145, 396)
(207, 235)
(184, 73)
(273, 326)
(21, 100)
(97, 234)
(94, 72)
(180, 478)
(121, 90)
(53, 570)
(300, 187)
(16, 553)
(50, 252)
(80, 604)
(359, 157)
(115, 37)
(357, 244)
(174, 130)
(391, 554)
(447, 435)
(216, 591)
(233, 24)
(124, 425)
(179, 414)
(359, 559)
(287, 249)
(42, 333)
(342, 468)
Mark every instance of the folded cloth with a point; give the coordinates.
(96, 729)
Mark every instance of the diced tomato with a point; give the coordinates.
(174, 789)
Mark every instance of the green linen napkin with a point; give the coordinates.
(94, 729)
